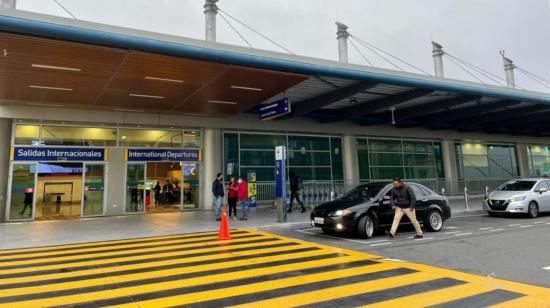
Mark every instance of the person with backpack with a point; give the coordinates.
(296, 185)
(242, 193)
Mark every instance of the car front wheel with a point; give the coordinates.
(434, 221)
(365, 227)
(533, 209)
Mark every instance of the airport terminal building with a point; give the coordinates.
(97, 120)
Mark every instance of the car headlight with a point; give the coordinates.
(517, 199)
(341, 212)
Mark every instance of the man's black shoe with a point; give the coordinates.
(391, 235)
(418, 236)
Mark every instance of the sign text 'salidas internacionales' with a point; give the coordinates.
(191, 155)
(57, 154)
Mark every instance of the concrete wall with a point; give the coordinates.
(5, 143)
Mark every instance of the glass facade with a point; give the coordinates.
(384, 159)
(478, 161)
(63, 135)
(539, 160)
(313, 158)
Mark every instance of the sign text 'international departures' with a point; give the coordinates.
(57, 154)
(191, 155)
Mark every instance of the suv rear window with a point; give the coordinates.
(517, 186)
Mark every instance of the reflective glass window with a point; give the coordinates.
(78, 136)
(27, 134)
(150, 138)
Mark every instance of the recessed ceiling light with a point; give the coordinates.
(164, 79)
(171, 126)
(222, 102)
(50, 88)
(45, 105)
(123, 137)
(246, 88)
(198, 114)
(127, 110)
(138, 125)
(146, 96)
(53, 67)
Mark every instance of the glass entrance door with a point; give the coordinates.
(135, 188)
(94, 190)
(190, 185)
(22, 192)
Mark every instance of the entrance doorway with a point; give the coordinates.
(59, 190)
(163, 187)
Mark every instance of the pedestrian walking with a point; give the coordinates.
(217, 191)
(27, 203)
(232, 196)
(296, 185)
(403, 202)
(157, 189)
(243, 197)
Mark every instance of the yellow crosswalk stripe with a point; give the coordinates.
(145, 251)
(92, 296)
(181, 259)
(150, 274)
(433, 297)
(525, 302)
(300, 299)
(93, 244)
(262, 269)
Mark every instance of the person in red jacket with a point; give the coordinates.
(243, 197)
(232, 196)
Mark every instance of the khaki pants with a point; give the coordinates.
(399, 212)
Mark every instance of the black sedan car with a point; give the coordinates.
(366, 209)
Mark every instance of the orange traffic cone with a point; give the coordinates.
(224, 227)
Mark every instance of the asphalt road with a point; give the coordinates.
(511, 248)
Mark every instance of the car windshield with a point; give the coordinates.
(364, 192)
(517, 186)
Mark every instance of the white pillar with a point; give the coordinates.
(342, 35)
(450, 167)
(522, 155)
(8, 4)
(210, 11)
(211, 164)
(437, 53)
(5, 144)
(509, 71)
(350, 160)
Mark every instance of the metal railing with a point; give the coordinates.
(315, 193)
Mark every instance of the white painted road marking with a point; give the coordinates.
(514, 225)
(546, 268)
(525, 226)
(538, 222)
(461, 234)
(451, 227)
(452, 232)
(424, 238)
(380, 244)
(481, 229)
(340, 238)
(494, 230)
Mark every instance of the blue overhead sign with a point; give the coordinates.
(275, 109)
(192, 155)
(57, 154)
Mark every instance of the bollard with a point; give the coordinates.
(332, 196)
(466, 198)
(443, 191)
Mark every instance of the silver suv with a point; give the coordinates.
(530, 196)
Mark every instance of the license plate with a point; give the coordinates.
(319, 220)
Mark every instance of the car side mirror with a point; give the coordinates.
(386, 197)
(543, 190)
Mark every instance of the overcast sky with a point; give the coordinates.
(473, 30)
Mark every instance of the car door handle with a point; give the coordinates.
(424, 200)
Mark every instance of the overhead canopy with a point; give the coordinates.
(61, 62)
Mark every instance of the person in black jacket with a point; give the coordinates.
(295, 192)
(403, 202)
(217, 191)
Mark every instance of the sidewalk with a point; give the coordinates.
(45, 233)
